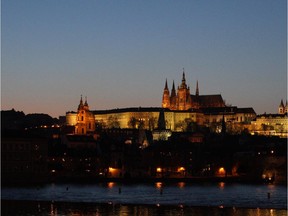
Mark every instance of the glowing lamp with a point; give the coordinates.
(221, 171)
(181, 169)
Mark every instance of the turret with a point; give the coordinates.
(80, 106)
(281, 108)
(86, 107)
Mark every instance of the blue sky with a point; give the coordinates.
(119, 53)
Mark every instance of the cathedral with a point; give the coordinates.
(184, 100)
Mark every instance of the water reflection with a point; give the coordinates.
(181, 184)
(221, 185)
(111, 185)
(158, 185)
(187, 194)
(88, 209)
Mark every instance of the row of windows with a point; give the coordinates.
(16, 157)
(16, 147)
(23, 168)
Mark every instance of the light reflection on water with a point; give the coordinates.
(253, 199)
(29, 208)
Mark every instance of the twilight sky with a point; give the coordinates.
(119, 53)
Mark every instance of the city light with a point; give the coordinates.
(181, 169)
(221, 171)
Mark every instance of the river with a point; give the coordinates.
(146, 199)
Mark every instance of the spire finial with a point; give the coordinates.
(197, 89)
(183, 77)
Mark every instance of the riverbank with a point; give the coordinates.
(87, 180)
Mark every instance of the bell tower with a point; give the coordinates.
(166, 97)
(85, 119)
(183, 94)
(281, 108)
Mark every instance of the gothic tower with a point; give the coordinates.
(281, 108)
(183, 95)
(173, 98)
(166, 97)
(81, 118)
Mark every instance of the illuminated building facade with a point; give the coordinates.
(283, 109)
(179, 109)
(184, 100)
(272, 124)
(83, 120)
(147, 118)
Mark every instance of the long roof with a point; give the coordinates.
(141, 109)
(211, 100)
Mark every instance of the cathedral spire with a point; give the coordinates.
(183, 77)
(183, 84)
(166, 97)
(166, 85)
(197, 89)
(173, 91)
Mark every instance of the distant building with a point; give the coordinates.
(24, 160)
(83, 119)
(272, 124)
(283, 109)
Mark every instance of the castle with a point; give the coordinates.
(179, 108)
(183, 100)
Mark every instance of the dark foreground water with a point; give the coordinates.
(145, 199)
